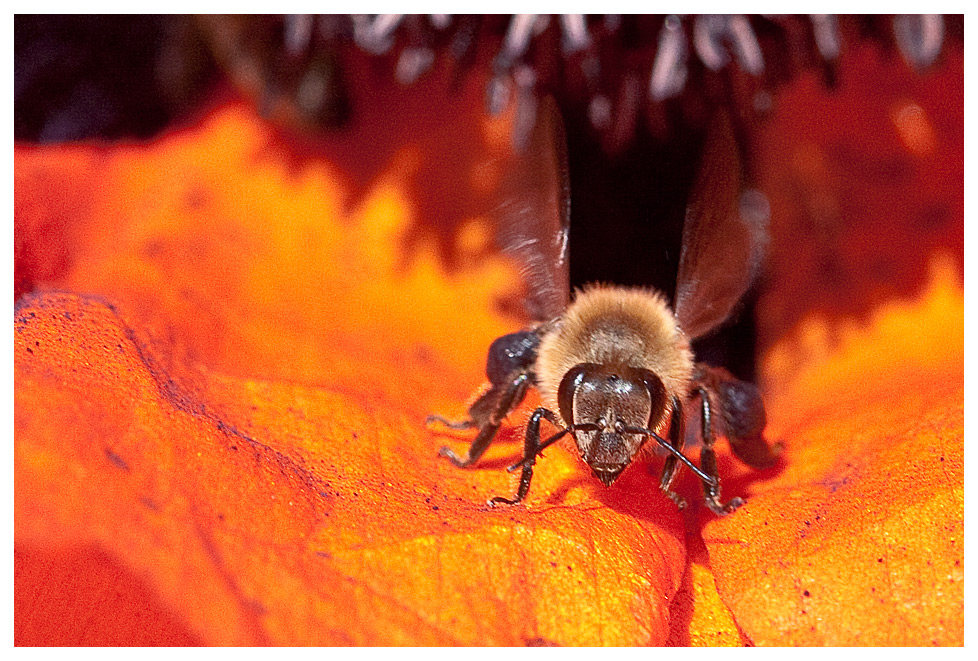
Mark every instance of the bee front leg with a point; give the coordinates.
(487, 413)
(531, 449)
(708, 462)
(677, 437)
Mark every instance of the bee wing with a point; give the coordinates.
(723, 238)
(534, 218)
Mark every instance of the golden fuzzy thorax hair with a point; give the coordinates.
(615, 326)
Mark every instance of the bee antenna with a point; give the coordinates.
(679, 455)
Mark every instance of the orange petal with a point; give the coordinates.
(228, 401)
(700, 618)
(860, 540)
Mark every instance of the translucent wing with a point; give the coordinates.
(533, 220)
(723, 238)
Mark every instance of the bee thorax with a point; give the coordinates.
(616, 326)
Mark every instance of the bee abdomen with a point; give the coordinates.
(515, 352)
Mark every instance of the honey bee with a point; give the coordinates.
(614, 367)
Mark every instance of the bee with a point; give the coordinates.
(614, 367)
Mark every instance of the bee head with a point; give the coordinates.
(599, 402)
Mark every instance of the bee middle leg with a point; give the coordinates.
(509, 367)
(708, 462)
(486, 414)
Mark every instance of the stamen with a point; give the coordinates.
(826, 29)
(669, 69)
(574, 29)
(298, 32)
(919, 37)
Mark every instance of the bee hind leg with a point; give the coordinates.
(708, 462)
(451, 424)
(742, 411)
